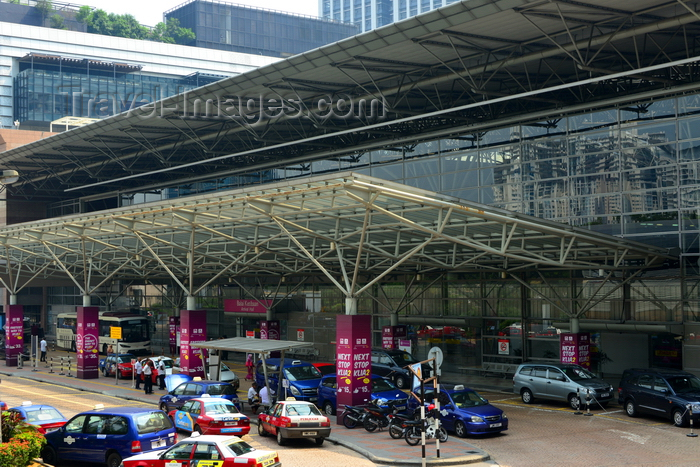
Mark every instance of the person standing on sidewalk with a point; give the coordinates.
(138, 368)
(42, 347)
(147, 377)
(161, 374)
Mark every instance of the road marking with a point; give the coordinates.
(631, 436)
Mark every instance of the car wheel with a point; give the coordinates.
(319, 441)
(104, 372)
(678, 418)
(163, 407)
(48, 455)
(574, 401)
(114, 460)
(328, 408)
(460, 429)
(400, 382)
(280, 439)
(261, 430)
(197, 429)
(527, 396)
(631, 408)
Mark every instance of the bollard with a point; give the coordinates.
(51, 365)
(690, 411)
(20, 361)
(61, 373)
(578, 411)
(69, 375)
(588, 403)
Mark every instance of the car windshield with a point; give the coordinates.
(42, 414)
(404, 358)
(681, 384)
(381, 384)
(220, 390)
(124, 359)
(577, 373)
(466, 399)
(216, 408)
(326, 369)
(298, 373)
(239, 447)
(301, 409)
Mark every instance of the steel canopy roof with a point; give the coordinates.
(351, 230)
(459, 70)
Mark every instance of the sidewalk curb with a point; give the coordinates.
(430, 460)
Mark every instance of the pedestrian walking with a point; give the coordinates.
(42, 346)
(148, 377)
(161, 374)
(249, 365)
(138, 368)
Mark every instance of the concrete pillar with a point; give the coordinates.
(191, 303)
(575, 328)
(350, 305)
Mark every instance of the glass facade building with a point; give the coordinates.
(371, 14)
(51, 87)
(238, 28)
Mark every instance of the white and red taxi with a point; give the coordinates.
(294, 419)
(210, 416)
(206, 451)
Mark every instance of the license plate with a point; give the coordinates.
(313, 399)
(605, 394)
(268, 462)
(159, 443)
(495, 425)
(309, 433)
(401, 407)
(231, 423)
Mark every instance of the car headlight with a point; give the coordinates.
(382, 401)
(504, 416)
(294, 391)
(696, 408)
(476, 419)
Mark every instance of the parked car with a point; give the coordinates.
(383, 390)
(182, 388)
(294, 419)
(167, 361)
(3, 406)
(109, 435)
(45, 417)
(120, 362)
(210, 416)
(303, 378)
(662, 392)
(215, 450)
(227, 375)
(562, 382)
(392, 363)
(464, 411)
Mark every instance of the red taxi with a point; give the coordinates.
(206, 451)
(294, 419)
(210, 416)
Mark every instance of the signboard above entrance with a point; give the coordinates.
(246, 306)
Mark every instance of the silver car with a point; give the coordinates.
(563, 382)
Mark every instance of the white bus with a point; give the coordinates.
(136, 332)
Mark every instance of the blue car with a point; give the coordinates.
(109, 435)
(44, 417)
(382, 389)
(464, 411)
(182, 388)
(303, 378)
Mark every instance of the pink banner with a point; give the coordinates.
(575, 348)
(174, 325)
(392, 334)
(87, 339)
(193, 328)
(353, 363)
(246, 306)
(270, 330)
(14, 334)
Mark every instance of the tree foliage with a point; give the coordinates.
(110, 24)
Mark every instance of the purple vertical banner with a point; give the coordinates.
(392, 334)
(87, 339)
(193, 328)
(270, 329)
(575, 348)
(14, 334)
(353, 365)
(174, 325)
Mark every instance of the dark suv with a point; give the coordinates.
(663, 392)
(392, 363)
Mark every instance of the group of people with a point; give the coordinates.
(148, 371)
(258, 397)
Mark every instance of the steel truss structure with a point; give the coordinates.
(352, 230)
(453, 72)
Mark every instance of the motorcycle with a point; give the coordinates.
(432, 428)
(353, 416)
(399, 423)
(378, 412)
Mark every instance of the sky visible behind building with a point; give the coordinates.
(150, 13)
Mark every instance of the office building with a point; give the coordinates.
(371, 14)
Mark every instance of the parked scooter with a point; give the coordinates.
(353, 416)
(432, 428)
(398, 424)
(378, 412)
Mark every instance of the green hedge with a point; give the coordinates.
(24, 446)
